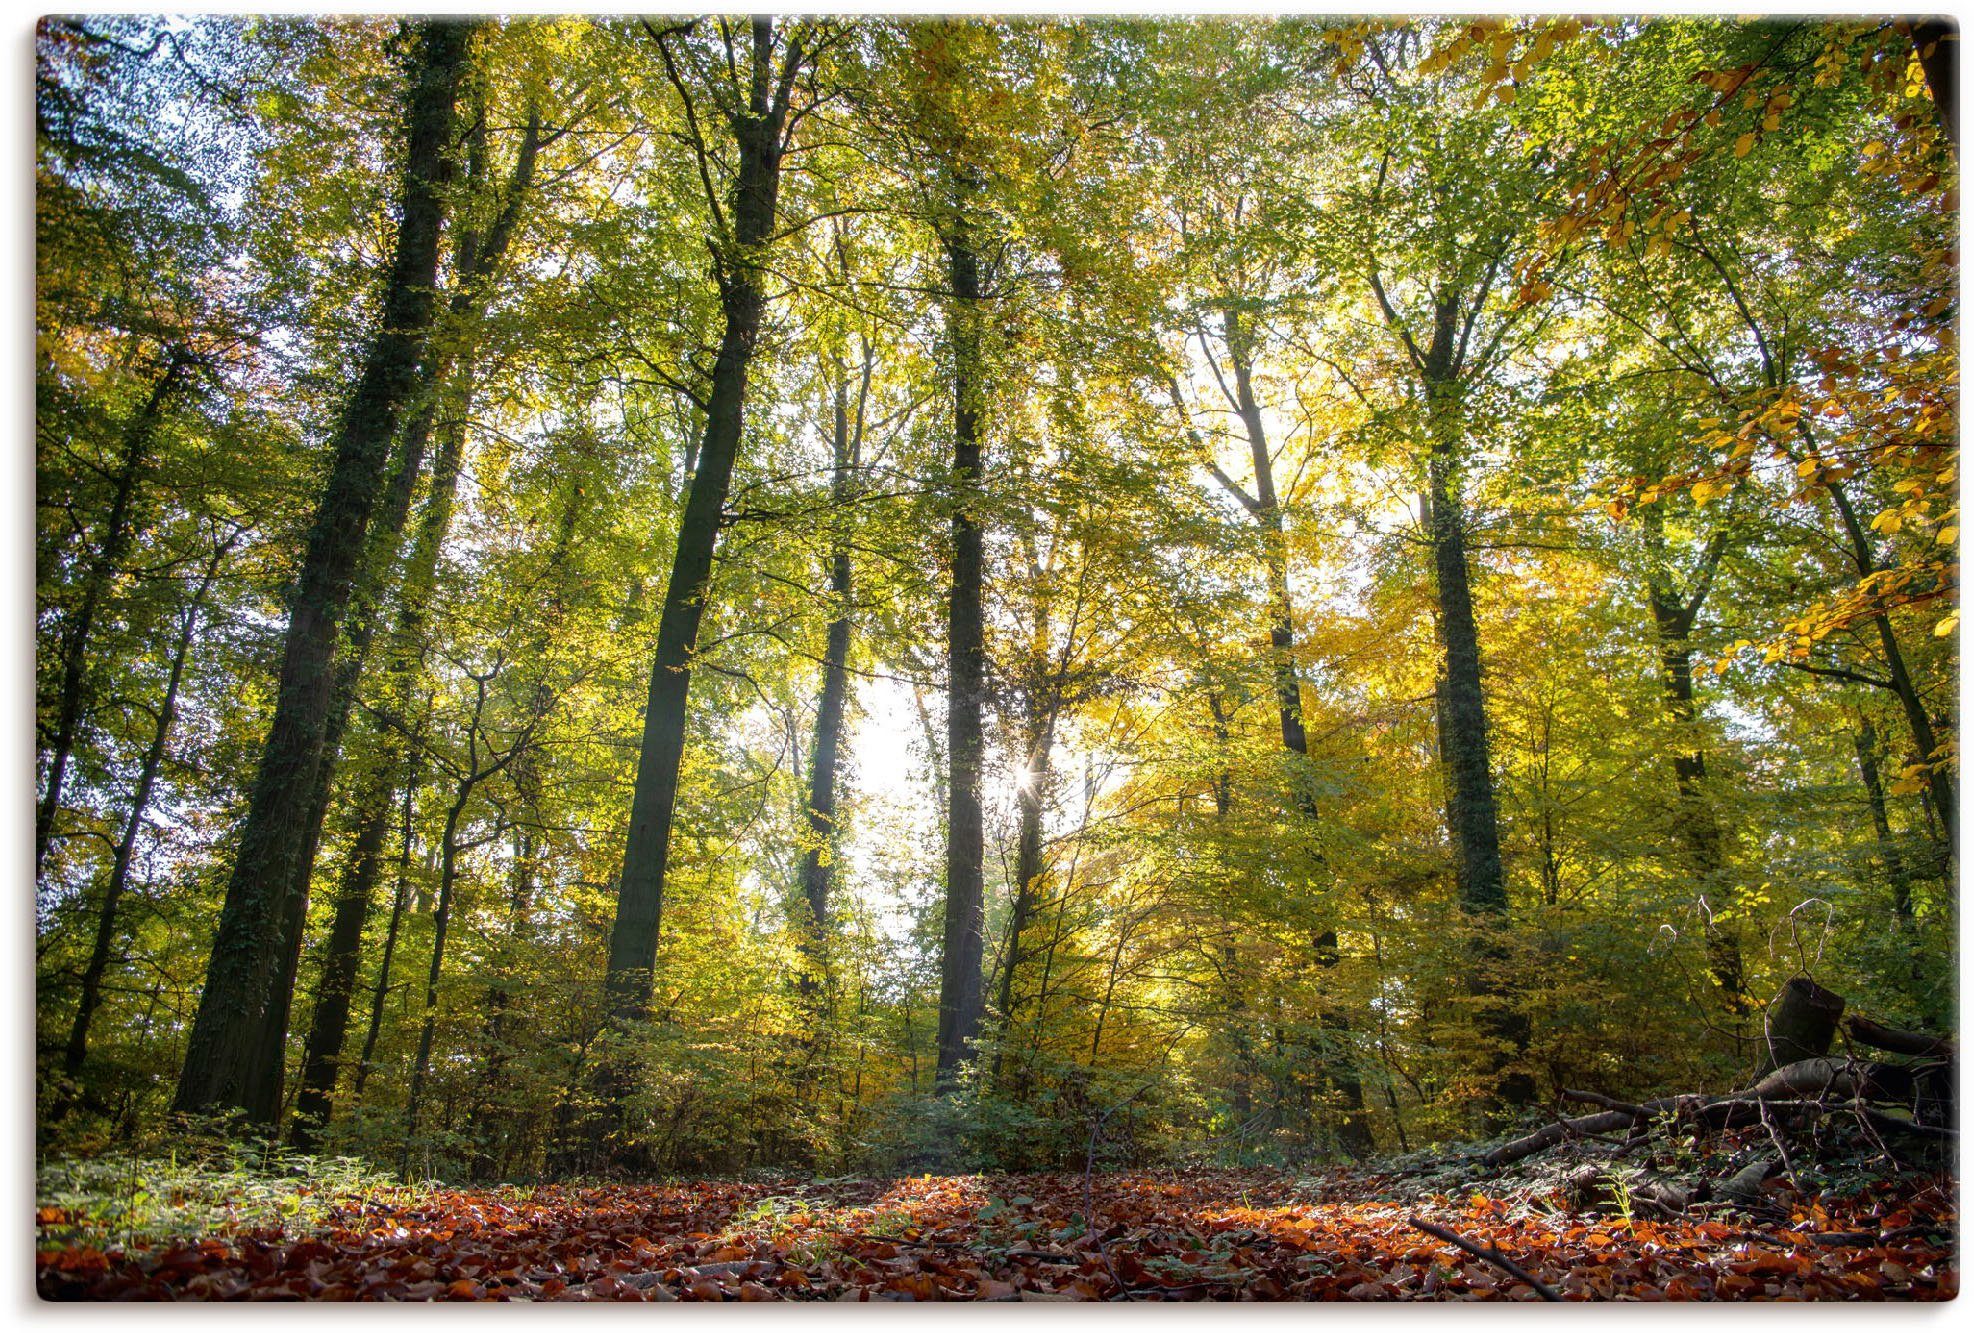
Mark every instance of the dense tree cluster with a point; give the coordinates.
(650, 595)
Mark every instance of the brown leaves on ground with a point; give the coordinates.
(1167, 1236)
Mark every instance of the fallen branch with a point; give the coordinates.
(1897, 1041)
(1632, 1109)
(1488, 1254)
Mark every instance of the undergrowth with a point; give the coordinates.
(132, 1200)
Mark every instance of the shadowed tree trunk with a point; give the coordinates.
(447, 388)
(1866, 741)
(225, 1064)
(77, 1049)
(757, 126)
(1936, 41)
(72, 647)
(961, 993)
(400, 899)
(480, 766)
(1443, 365)
(329, 1021)
(1264, 505)
(1674, 612)
(819, 862)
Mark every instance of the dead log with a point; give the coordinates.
(1599, 1099)
(1550, 1135)
(1897, 1041)
(1818, 1076)
(1800, 1025)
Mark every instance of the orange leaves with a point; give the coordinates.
(1177, 1235)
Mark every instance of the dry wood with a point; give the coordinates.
(1898, 1041)
(1488, 1254)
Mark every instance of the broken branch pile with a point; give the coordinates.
(1799, 1088)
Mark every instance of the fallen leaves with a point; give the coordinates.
(1171, 1236)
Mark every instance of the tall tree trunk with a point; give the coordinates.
(1888, 849)
(1267, 510)
(445, 399)
(1897, 872)
(1463, 715)
(757, 133)
(225, 1064)
(77, 1049)
(819, 861)
(400, 899)
(1674, 612)
(329, 1020)
(1919, 721)
(421, 1066)
(1031, 800)
(1471, 811)
(1265, 506)
(72, 651)
(961, 998)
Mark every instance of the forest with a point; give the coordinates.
(1087, 601)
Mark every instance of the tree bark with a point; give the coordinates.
(329, 1020)
(77, 1048)
(1265, 506)
(72, 652)
(1472, 817)
(819, 861)
(1030, 801)
(400, 898)
(1918, 719)
(444, 399)
(1936, 41)
(225, 1066)
(961, 998)
(1866, 741)
(758, 143)
(1674, 612)
(1267, 510)
(1801, 1024)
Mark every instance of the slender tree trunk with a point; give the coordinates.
(641, 894)
(77, 1049)
(445, 398)
(1030, 801)
(634, 937)
(400, 899)
(1697, 827)
(1888, 850)
(1472, 817)
(329, 1021)
(421, 1066)
(1897, 872)
(819, 862)
(72, 652)
(1918, 720)
(1267, 512)
(1265, 505)
(225, 1064)
(961, 997)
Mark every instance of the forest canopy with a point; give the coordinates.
(681, 595)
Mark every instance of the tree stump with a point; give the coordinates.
(1801, 1023)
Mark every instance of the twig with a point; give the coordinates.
(1487, 1253)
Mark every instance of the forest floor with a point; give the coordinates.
(1167, 1235)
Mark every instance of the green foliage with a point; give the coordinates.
(1704, 436)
